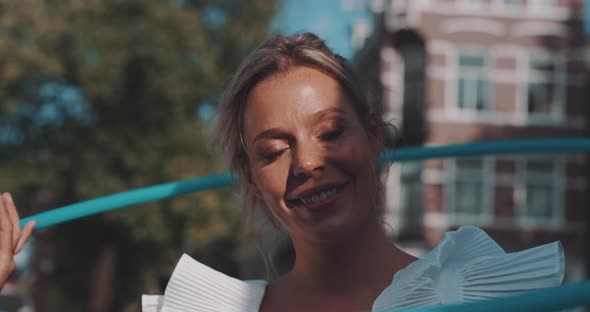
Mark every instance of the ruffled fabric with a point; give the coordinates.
(151, 303)
(468, 266)
(195, 287)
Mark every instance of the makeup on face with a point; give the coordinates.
(311, 158)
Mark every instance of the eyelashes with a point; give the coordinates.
(272, 153)
(271, 149)
(271, 156)
(332, 134)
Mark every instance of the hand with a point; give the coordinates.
(12, 238)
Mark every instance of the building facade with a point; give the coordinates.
(459, 71)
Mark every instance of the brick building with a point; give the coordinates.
(458, 71)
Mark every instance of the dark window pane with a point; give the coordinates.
(471, 61)
(542, 87)
(540, 186)
(469, 164)
(462, 94)
(539, 201)
(468, 198)
(482, 94)
(469, 175)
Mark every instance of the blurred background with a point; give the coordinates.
(98, 97)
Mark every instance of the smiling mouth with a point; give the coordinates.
(319, 197)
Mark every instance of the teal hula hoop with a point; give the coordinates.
(544, 300)
(549, 299)
(177, 188)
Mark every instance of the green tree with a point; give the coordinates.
(98, 97)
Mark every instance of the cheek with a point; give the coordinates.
(271, 185)
(357, 153)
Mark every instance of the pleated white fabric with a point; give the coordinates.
(196, 287)
(467, 265)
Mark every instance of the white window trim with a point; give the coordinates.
(558, 13)
(545, 6)
(442, 221)
(489, 63)
(487, 215)
(500, 119)
(477, 25)
(526, 29)
(519, 77)
(392, 197)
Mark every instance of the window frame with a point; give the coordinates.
(483, 74)
(557, 187)
(487, 184)
(558, 80)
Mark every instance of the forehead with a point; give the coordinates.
(292, 98)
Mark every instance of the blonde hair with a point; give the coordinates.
(275, 56)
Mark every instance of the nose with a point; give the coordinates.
(307, 159)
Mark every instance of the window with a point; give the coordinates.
(410, 195)
(541, 5)
(509, 4)
(469, 187)
(473, 83)
(540, 189)
(474, 3)
(545, 87)
(404, 199)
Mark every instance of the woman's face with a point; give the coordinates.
(310, 158)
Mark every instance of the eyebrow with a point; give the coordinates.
(334, 110)
(277, 133)
(273, 133)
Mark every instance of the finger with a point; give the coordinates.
(9, 205)
(5, 271)
(6, 247)
(5, 228)
(24, 237)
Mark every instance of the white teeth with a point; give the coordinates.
(322, 196)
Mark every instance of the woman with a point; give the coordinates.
(304, 141)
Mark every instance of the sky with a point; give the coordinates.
(329, 19)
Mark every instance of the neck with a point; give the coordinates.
(366, 261)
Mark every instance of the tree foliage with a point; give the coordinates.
(98, 97)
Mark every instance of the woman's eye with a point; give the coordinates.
(331, 135)
(271, 156)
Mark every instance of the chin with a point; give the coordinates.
(338, 229)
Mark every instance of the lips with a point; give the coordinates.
(316, 196)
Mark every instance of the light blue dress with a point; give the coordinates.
(467, 265)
